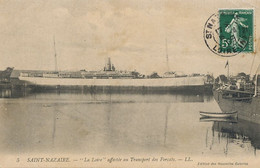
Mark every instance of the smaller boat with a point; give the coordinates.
(219, 115)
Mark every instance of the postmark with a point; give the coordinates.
(230, 32)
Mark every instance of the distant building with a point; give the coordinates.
(5, 75)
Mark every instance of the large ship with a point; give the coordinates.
(111, 78)
(246, 101)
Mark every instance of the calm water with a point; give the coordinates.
(121, 124)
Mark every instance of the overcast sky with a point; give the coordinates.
(132, 33)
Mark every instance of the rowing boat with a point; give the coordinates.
(219, 115)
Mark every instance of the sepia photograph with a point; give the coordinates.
(129, 83)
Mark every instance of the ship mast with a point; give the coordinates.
(228, 71)
(227, 65)
(257, 46)
(256, 81)
(167, 58)
(55, 54)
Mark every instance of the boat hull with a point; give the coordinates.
(150, 82)
(248, 109)
(192, 84)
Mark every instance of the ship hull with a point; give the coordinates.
(153, 84)
(247, 109)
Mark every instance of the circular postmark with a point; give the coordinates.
(219, 44)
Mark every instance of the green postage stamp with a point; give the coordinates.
(230, 31)
(236, 30)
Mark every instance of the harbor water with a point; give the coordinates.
(129, 123)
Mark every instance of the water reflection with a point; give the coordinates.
(5, 93)
(114, 97)
(215, 119)
(79, 122)
(85, 123)
(232, 136)
(14, 93)
(243, 131)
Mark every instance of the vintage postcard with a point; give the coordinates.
(129, 83)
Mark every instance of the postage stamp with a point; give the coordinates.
(230, 32)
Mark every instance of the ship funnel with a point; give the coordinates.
(108, 65)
